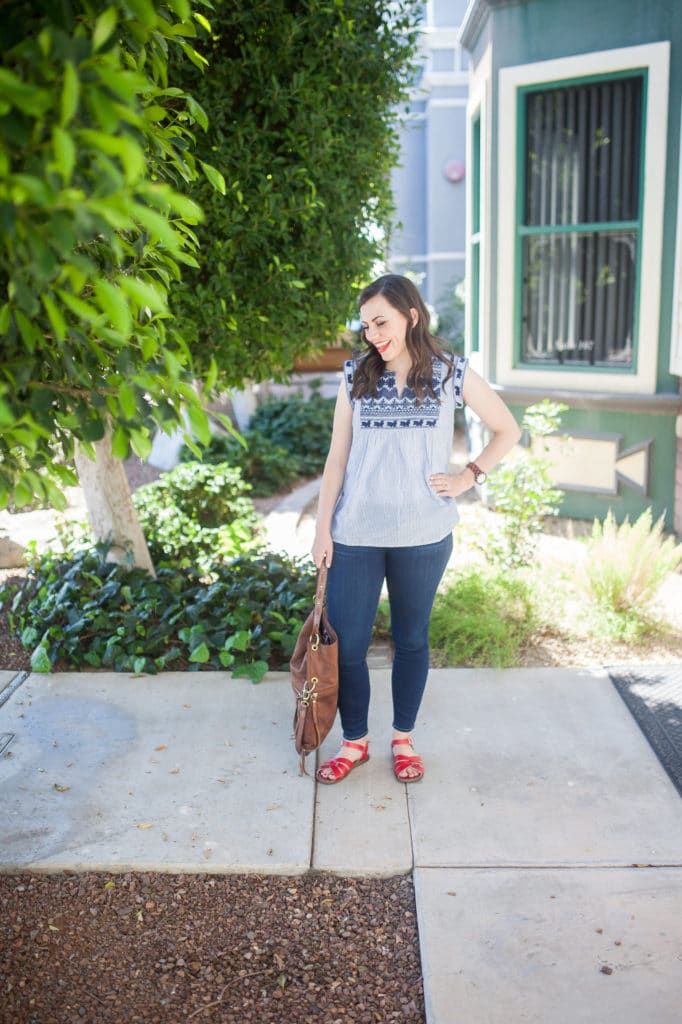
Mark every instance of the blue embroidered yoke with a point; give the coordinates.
(386, 500)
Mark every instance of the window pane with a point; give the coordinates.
(582, 146)
(578, 298)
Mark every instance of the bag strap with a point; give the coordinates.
(320, 589)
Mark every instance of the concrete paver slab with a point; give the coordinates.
(186, 772)
(362, 825)
(6, 678)
(537, 767)
(549, 946)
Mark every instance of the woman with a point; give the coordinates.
(387, 505)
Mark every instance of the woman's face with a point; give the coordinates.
(385, 327)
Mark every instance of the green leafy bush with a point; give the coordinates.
(521, 489)
(83, 612)
(265, 466)
(303, 427)
(481, 620)
(197, 515)
(626, 564)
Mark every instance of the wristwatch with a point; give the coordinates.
(479, 476)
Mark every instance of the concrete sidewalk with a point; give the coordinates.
(545, 839)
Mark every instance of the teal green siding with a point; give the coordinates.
(634, 430)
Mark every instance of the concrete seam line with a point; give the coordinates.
(12, 687)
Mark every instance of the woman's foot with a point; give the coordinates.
(349, 757)
(407, 766)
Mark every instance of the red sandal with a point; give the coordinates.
(401, 762)
(342, 766)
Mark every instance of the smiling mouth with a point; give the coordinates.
(382, 348)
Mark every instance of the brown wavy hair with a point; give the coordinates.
(422, 346)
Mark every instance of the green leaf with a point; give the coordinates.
(6, 416)
(197, 111)
(181, 8)
(70, 93)
(104, 26)
(214, 176)
(131, 155)
(119, 443)
(196, 58)
(158, 228)
(28, 98)
(149, 346)
(144, 10)
(64, 152)
(200, 655)
(56, 497)
(55, 316)
(239, 640)
(114, 304)
(83, 310)
(141, 443)
(144, 293)
(201, 20)
(211, 376)
(127, 400)
(253, 671)
(40, 661)
(199, 423)
(5, 318)
(187, 209)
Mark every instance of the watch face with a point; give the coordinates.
(481, 478)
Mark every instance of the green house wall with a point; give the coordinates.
(633, 430)
(539, 30)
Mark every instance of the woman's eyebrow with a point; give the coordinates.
(379, 316)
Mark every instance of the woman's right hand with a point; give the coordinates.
(323, 546)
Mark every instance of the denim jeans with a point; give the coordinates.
(354, 585)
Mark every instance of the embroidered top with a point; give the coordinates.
(386, 499)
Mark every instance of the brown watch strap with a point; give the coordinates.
(476, 470)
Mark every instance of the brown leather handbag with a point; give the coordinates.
(314, 669)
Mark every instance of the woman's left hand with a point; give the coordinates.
(451, 485)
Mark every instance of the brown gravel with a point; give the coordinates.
(235, 949)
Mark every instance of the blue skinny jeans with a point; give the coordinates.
(354, 585)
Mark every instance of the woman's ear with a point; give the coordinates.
(415, 316)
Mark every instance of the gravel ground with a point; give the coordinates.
(235, 949)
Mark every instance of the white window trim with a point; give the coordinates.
(479, 102)
(655, 57)
(676, 330)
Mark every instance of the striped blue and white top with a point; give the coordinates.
(386, 500)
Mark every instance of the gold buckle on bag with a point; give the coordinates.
(307, 693)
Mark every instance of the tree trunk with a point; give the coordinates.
(111, 511)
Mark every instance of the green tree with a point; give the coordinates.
(301, 100)
(102, 332)
(95, 157)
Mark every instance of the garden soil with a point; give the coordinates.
(235, 949)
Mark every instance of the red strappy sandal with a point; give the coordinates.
(342, 766)
(403, 761)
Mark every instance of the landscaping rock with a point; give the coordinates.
(12, 555)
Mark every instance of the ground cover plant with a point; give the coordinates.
(79, 611)
(482, 618)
